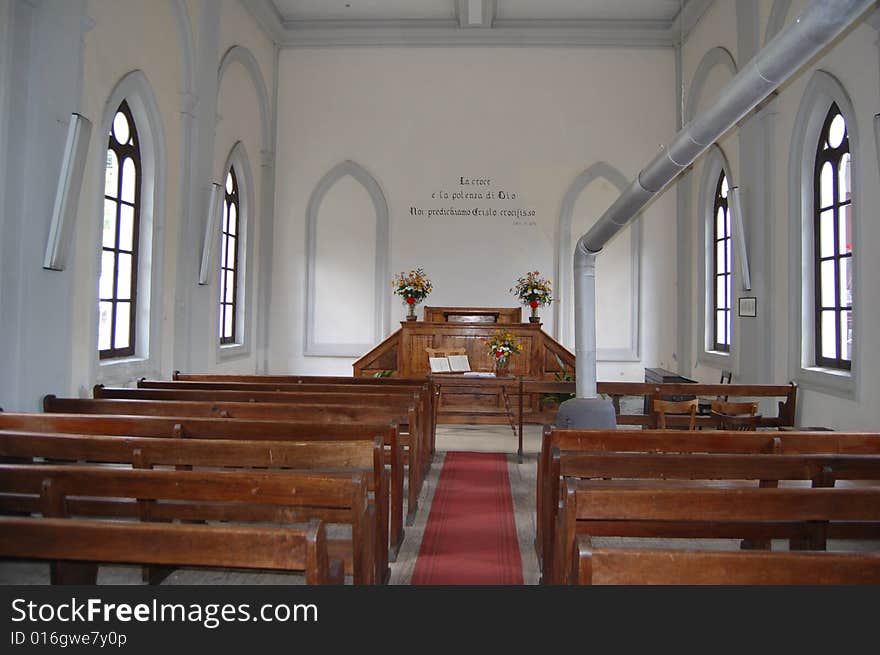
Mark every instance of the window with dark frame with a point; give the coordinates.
(117, 294)
(722, 267)
(832, 244)
(229, 259)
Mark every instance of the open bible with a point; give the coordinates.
(450, 364)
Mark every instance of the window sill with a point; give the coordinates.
(828, 380)
(125, 370)
(230, 351)
(715, 358)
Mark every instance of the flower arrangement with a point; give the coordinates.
(533, 290)
(501, 346)
(413, 287)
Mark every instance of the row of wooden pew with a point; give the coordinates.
(755, 487)
(197, 460)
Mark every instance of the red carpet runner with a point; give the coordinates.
(470, 538)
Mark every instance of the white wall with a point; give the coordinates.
(62, 57)
(763, 143)
(530, 120)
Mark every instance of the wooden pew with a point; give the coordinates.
(628, 566)
(337, 380)
(404, 410)
(219, 428)
(92, 542)
(147, 453)
(275, 497)
(786, 411)
(592, 507)
(672, 441)
(369, 386)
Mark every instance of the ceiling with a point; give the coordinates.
(310, 10)
(297, 23)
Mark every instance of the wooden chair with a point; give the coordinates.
(685, 407)
(749, 408)
(738, 423)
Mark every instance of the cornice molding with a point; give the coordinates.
(449, 32)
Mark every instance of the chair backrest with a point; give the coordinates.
(735, 409)
(738, 423)
(664, 407)
(726, 378)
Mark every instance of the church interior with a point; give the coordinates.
(512, 292)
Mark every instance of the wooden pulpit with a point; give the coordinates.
(405, 354)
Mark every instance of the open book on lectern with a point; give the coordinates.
(450, 364)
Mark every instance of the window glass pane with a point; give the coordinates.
(729, 256)
(826, 284)
(720, 325)
(109, 232)
(836, 131)
(719, 257)
(720, 224)
(727, 327)
(846, 334)
(123, 319)
(105, 285)
(227, 324)
(829, 334)
(128, 179)
(126, 227)
(844, 174)
(123, 279)
(221, 321)
(105, 311)
(845, 217)
(846, 281)
(232, 219)
(229, 182)
(230, 286)
(724, 187)
(223, 263)
(230, 252)
(120, 128)
(720, 287)
(728, 299)
(111, 175)
(826, 233)
(826, 186)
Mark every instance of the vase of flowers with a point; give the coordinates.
(502, 345)
(413, 288)
(534, 291)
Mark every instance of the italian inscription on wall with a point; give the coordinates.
(478, 197)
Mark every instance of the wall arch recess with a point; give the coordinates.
(564, 293)
(381, 290)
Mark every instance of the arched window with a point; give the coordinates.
(229, 241)
(117, 299)
(722, 267)
(832, 239)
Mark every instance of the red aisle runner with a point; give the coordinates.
(470, 538)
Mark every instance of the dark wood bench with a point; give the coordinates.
(674, 441)
(628, 566)
(702, 511)
(281, 497)
(420, 387)
(786, 405)
(90, 542)
(240, 430)
(146, 453)
(402, 409)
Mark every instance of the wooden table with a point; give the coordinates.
(504, 385)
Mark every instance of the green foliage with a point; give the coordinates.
(383, 374)
(558, 376)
